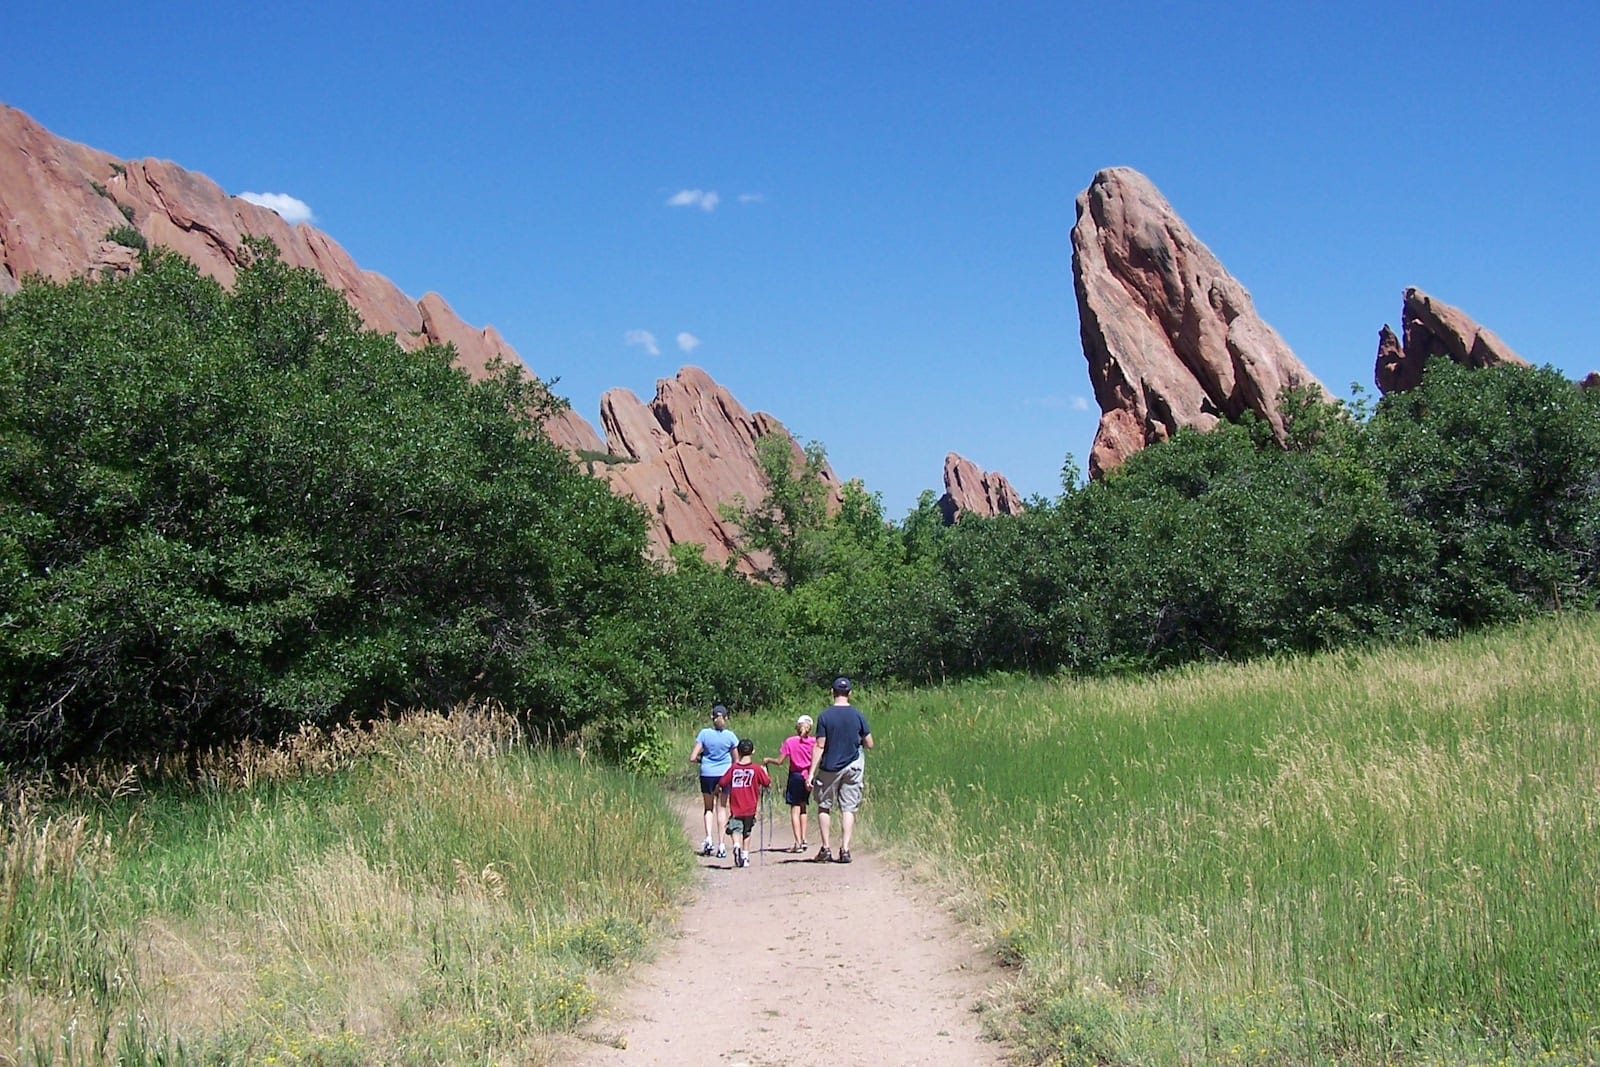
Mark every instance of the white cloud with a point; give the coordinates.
(644, 339)
(1051, 402)
(687, 342)
(291, 208)
(704, 199)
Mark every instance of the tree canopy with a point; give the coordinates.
(226, 513)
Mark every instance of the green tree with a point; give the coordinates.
(226, 513)
(1503, 466)
(780, 533)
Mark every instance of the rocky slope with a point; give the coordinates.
(59, 199)
(686, 452)
(682, 456)
(1433, 328)
(969, 491)
(1171, 339)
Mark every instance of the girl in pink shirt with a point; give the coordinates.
(797, 791)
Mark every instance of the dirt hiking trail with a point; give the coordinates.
(740, 983)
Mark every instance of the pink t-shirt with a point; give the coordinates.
(797, 750)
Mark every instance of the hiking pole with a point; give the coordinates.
(766, 822)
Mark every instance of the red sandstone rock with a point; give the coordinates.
(968, 490)
(476, 349)
(58, 199)
(1393, 372)
(686, 453)
(1172, 340)
(689, 451)
(1433, 328)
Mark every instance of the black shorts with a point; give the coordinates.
(797, 793)
(708, 783)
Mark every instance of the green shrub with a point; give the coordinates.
(224, 514)
(128, 237)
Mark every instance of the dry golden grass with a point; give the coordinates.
(422, 891)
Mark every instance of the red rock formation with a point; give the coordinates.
(689, 451)
(58, 199)
(1172, 340)
(967, 490)
(1434, 328)
(1392, 367)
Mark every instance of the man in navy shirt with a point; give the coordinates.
(838, 767)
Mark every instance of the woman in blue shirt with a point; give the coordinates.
(713, 753)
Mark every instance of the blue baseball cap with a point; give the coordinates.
(719, 712)
(841, 685)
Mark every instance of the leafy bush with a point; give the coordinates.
(223, 514)
(227, 514)
(1503, 465)
(128, 237)
(1472, 499)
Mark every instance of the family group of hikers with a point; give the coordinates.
(828, 764)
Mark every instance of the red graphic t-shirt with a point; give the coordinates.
(744, 782)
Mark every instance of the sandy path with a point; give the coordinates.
(739, 984)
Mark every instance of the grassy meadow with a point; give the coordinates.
(1387, 856)
(428, 892)
(1382, 856)
(1375, 857)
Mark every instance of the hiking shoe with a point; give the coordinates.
(741, 858)
(722, 852)
(844, 855)
(705, 849)
(824, 855)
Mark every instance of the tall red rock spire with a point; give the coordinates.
(1171, 339)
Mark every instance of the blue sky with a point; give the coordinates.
(857, 216)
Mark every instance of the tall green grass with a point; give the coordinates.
(1390, 856)
(434, 893)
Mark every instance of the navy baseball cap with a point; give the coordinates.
(719, 712)
(841, 685)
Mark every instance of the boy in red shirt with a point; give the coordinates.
(743, 782)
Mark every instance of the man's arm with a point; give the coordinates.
(866, 740)
(816, 758)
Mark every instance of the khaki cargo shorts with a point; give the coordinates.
(842, 788)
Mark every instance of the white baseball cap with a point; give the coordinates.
(804, 720)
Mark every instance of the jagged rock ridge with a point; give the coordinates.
(969, 491)
(1433, 328)
(58, 200)
(1171, 339)
(690, 450)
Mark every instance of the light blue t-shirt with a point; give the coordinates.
(716, 750)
